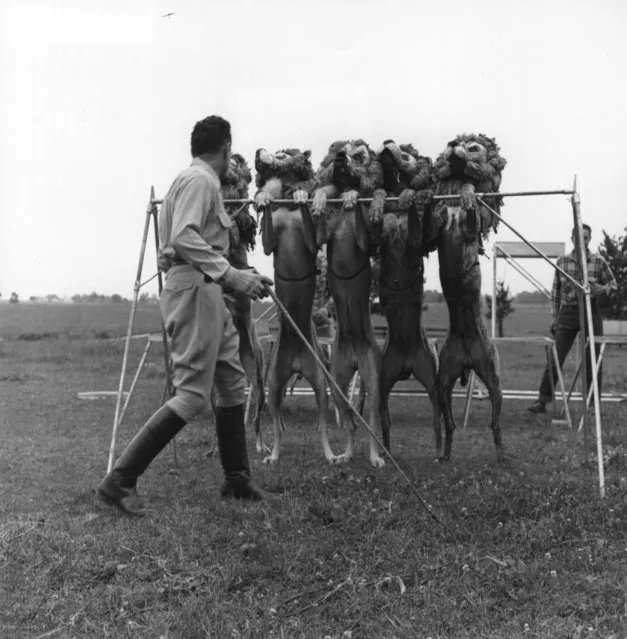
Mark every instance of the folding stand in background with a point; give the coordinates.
(151, 213)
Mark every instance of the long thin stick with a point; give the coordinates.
(328, 375)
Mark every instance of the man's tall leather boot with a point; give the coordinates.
(231, 434)
(119, 487)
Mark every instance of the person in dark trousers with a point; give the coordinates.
(194, 239)
(564, 299)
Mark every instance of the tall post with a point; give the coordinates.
(129, 330)
(166, 350)
(167, 389)
(581, 251)
(581, 351)
(494, 256)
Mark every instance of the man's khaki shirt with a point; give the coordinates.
(193, 225)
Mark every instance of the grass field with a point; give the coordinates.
(527, 549)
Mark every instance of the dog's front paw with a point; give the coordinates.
(319, 202)
(300, 196)
(349, 199)
(263, 199)
(424, 198)
(377, 207)
(468, 200)
(406, 199)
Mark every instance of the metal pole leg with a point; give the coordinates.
(596, 372)
(591, 342)
(129, 332)
(572, 386)
(560, 378)
(471, 383)
(549, 358)
(142, 361)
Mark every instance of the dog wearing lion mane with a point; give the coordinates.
(242, 239)
(470, 164)
(350, 170)
(289, 235)
(400, 230)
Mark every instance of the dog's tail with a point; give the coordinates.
(260, 390)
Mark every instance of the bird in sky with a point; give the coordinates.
(168, 15)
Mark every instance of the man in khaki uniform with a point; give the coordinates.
(194, 238)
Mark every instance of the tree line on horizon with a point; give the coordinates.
(613, 249)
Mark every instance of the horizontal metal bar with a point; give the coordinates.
(367, 200)
(459, 394)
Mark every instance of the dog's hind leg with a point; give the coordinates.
(369, 363)
(251, 356)
(279, 375)
(424, 369)
(342, 370)
(314, 375)
(449, 370)
(485, 364)
(391, 372)
(260, 395)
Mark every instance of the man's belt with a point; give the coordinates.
(179, 262)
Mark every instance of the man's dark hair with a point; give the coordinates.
(585, 227)
(209, 135)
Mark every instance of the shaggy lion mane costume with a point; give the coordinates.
(471, 159)
(235, 187)
(416, 169)
(291, 166)
(368, 172)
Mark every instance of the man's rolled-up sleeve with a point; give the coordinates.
(192, 206)
(607, 278)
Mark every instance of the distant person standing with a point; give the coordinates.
(194, 238)
(565, 303)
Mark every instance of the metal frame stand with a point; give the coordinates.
(585, 314)
(585, 306)
(151, 213)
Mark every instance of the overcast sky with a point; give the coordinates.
(98, 100)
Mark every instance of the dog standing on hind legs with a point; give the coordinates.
(469, 164)
(350, 170)
(399, 230)
(242, 239)
(288, 234)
